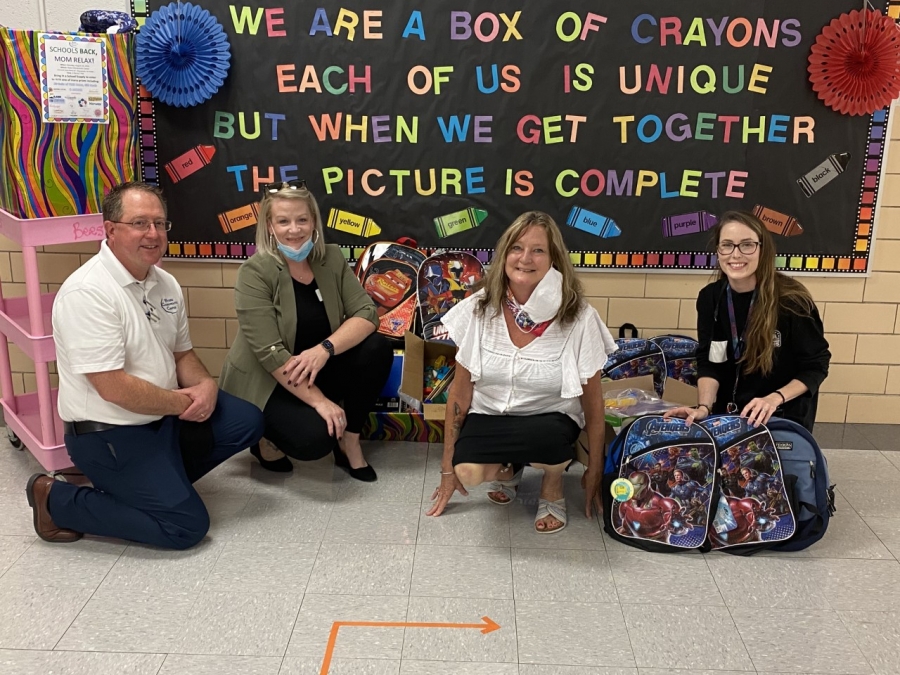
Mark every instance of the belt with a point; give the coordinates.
(86, 427)
(91, 427)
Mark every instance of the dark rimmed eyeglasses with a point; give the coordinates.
(745, 247)
(274, 188)
(142, 225)
(149, 309)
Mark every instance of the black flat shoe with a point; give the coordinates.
(280, 465)
(364, 473)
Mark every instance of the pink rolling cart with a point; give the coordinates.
(32, 419)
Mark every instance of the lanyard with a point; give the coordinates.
(737, 343)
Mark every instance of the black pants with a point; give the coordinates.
(355, 377)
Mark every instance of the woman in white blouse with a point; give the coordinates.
(530, 350)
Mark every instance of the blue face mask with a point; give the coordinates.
(295, 254)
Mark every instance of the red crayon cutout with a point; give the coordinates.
(190, 162)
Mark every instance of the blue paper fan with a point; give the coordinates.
(183, 54)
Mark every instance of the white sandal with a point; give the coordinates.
(508, 488)
(556, 509)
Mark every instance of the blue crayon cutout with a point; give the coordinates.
(593, 223)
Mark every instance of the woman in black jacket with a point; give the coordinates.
(762, 345)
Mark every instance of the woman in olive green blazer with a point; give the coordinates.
(306, 352)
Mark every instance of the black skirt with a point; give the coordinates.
(548, 438)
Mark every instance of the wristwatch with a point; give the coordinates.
(328, 347)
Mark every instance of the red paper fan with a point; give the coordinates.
(854, 66)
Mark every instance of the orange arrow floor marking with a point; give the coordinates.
(486, 626)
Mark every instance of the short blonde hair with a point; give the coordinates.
(265, 243)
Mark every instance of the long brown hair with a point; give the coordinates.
(495, 280)
(774, 291)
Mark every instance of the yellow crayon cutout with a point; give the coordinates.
(352, 223)
(238, 219)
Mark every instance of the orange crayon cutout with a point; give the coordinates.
(190, 162)
(778, 223)
(238, 219)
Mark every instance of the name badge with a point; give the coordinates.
(718, 351)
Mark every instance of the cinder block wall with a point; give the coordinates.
(861, 314)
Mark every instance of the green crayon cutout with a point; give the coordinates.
(453, 223)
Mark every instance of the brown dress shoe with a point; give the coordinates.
(38, 492)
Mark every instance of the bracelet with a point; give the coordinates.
(783, 399)
(447, 473)
(703, 405)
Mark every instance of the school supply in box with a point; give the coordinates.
(416, 354)
(437, 378)
(445, 279)
(631, 402)
(716, 485)
(388, 272)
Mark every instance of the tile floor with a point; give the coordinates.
(288, 557)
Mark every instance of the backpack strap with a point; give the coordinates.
(628, 326)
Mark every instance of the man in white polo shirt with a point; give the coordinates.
(143, 418)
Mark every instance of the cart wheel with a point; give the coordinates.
(14, 440)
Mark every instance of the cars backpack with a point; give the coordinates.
(803, 462)
(680, 352)
(636, 357)
(387, 272)
(445, 279)
(717, 485)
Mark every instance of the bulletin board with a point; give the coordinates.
(633, 124)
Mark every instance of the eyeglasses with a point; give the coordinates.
(142, 225)
(150, 310)
(274, 188)
(745, 247)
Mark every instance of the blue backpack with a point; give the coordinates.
(802, 459)
(717, 485)
(680, 352)
(636, 357)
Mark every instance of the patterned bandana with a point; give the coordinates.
(523, 321)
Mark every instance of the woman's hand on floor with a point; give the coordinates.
(449, 484)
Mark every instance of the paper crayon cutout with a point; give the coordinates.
(190, 162)
(822, 175)
(238, 219)
(593, 223)
(351, 223)
(778, 223)
(460, 221)
(688, 223)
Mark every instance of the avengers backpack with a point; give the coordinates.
(717, 485)
(680, 352)
(387, 272)
(445, 279)
(636, 357)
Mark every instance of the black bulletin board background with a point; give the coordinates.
(829, 218)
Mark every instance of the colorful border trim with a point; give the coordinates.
(623, 260)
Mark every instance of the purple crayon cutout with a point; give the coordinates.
(688, 223)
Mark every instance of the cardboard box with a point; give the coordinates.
(675, 391)
(417, 353)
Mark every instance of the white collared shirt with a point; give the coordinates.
(546, 375)
(104, 319)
